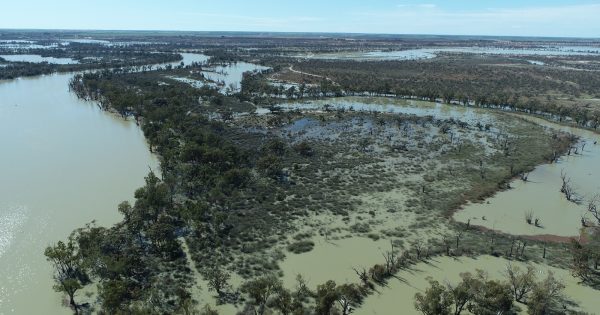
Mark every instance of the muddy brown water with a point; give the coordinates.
(541, 193)
(64, 164)
(506, 210)
(397, 297)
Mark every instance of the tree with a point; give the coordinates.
(364, 277)
(348, 296)
(152, 199)
(545, 296)
(581, 260)
(566, 187)
(436, 300)
(114, 294)
(302, 292)
(490, 297)
(378, 273)
(283, 301)
(217, 280)
(593, 207)
(325, 297)
(461, 294)
(70, 273)
(390, 260)
(261, 289)
(185, 303)
(521, 283)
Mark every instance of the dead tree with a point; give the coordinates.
(390, 260)
(447, 244)
(544, 255)
(481, 169)
(523, 249)
(529, 217)
(566, 187)
(458, 238)
(512, 246)
(363, 276)
(554, 157)
(418, 246)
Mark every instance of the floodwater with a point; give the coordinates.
(231, 74)
(228, 77)
(23, 44)
(470, 115)
(428, 53)
(541, 194)
(506, 210)
(64, 163)
(398, 296)
(333, 260)
(38, 59)
(189, 58)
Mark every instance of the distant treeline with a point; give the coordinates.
(106, 60)
(467, 80)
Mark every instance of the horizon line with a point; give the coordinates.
(291, 32)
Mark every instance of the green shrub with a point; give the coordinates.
(301, 247)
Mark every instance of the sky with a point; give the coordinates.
(576, 18)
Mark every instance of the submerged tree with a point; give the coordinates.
(545, 296)
(261, 290)
(435, 301)
(326, 297)
(520, 282)
(70, 273)
(581, 260)
(566, 187)
(592, 207)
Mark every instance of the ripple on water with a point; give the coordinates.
(12, 218)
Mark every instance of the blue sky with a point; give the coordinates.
(577, 18)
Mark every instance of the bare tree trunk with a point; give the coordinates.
(544, 255)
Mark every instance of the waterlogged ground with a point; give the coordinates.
(38, 59)
(506, 210)
(541, 194)
(230, 76)
(226, 77)
(396, 106)
(385, 171)
(428, 53)
(397, 297)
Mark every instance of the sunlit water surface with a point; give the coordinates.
(63, 163)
